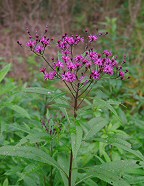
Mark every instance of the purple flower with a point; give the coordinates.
(39, 49)
(93, 55)
(84, 61)
(79, 58)
(70, 40)
(78, 65)
(45, 41)
(31, 44)
(69, 77)
(43, 70)
(62, 45)
(98, 62)
(92, 38)
(46, 76)
(108, 70)
(66, 52)
(59, 64)
(50, 75)
(114, 63)
(73, 40)
(108, 61)
(107, 53)
(78, 39)
(88, 64)
(95, 74)
(71, 66)
(121, 74)
(66, 59)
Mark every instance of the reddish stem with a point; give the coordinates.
(71, 153)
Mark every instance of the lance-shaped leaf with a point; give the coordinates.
(4, 71)
(113, 172)
(106, 104)
(30, 153)
(96, 124)
(20, 111)
(76, 140)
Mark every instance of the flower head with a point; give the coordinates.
(109, 70)
(107, 53)
(43, 70)
(31, 44)
(59, 64)
(39, 49)
(50, 75)
(121, 74)
(69, 77)
(45, 41)
(95, 74)
(92, 38)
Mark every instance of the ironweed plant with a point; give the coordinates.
(79, 72)
(82, 163)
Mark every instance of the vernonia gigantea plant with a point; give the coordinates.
(79, 72)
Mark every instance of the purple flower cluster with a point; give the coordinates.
(37, 44)
(72, 68)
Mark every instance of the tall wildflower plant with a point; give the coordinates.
(79, 72)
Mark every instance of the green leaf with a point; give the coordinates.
(90, 182)
(118, 140)
(56, 105)
(134, 152)
(20, 111)
(76, 135)
(109, 177)
(4, 71)
(51, 94)
(63, 162)
(31, 168)
(33, 138)
(120, 166)
(5, 183)
(96, 124)
(30, 153)
(83, 177)
(67, 117)
(113, 172)
(76, 140)
(134, 179)
(37, 90)
(6, 88)
(106, 104)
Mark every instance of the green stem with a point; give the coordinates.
(51, 174)
(71, 153)
(86, 88)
